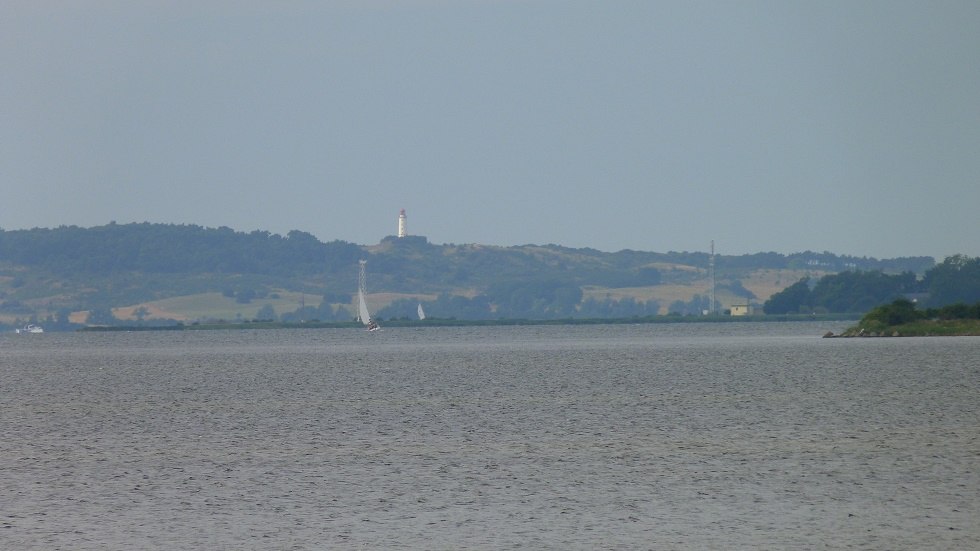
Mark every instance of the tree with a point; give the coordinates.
(738, 289)
(694, 307)
(957, 279)
(897, 313)
(244, 296)
(566, 300)
(790, 300)
(649, 276)
(141, 313)
(267, 312)
(857, 291)
(101, 316)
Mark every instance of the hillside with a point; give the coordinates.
(186, 273)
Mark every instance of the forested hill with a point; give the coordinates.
(69, 268)
(170, 248)
(167, 248)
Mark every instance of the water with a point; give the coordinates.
(686, 436)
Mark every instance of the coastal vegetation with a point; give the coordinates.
(955, 280)
(903, 318)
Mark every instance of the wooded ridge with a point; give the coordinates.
(169, 272)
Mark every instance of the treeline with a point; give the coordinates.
(171, 248)
(180, 248)
(955, 280)
(826, 261)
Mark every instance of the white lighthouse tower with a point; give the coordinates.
(402, 229)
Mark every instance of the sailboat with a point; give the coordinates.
(363, 313)
(421, 312)
(362, 309)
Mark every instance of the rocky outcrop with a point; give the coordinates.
(854, 333)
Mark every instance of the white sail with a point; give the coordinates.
(362, 309)
(421, 312)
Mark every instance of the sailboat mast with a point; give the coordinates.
(711, 270)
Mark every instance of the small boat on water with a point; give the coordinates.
(421, 312)
(31, 328)
(362, 309)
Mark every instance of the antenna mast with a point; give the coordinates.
(361, 290)
(711, 276)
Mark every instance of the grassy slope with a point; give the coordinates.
(216, 306)
(681, 282)
(762, 283)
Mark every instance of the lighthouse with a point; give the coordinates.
(402, 230)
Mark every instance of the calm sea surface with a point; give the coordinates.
(686, 436)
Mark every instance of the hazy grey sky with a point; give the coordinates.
(847, 126)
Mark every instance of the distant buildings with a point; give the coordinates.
(742, 310)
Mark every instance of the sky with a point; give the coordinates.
(785, 126)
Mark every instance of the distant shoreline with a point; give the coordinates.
(437, 322)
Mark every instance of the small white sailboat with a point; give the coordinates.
(362, 310)
(363, 314)
(421, 312)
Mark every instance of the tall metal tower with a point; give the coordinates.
(361, 291)
(402, 229)
(711, 276)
